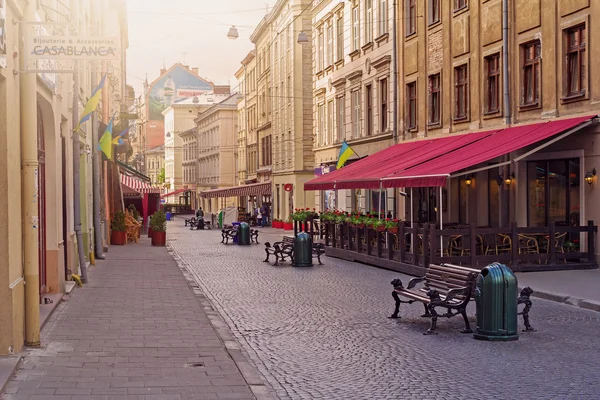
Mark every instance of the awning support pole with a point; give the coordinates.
(412, 220)
(379, 205)
(441, 222)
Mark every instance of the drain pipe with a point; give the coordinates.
(507, 105)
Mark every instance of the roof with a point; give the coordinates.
(158, 149)
(167, 72)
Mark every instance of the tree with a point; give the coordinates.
(161, 176)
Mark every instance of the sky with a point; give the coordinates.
(193, 32)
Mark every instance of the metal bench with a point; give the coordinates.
(227, 234)
(446, 285)
(285, 248)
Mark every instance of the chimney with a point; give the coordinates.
(195, 70)
(186, 66)
(162, 71)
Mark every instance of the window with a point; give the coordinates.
(341, 118)
(411, 19)
(576, 46)
(321, 124)
(320, 54)
(530, 91)
(434, 11)
(330, 122)
(340, 37)
(383, 17)
(383, 105)
(492, 100)
(461, 88)
(329, 44)
(355, 29)
(356, 131)
(369, 108)
(411, 104)
(459, 4)
(434, 99)
(368, 21)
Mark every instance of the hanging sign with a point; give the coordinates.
(73, 47)
(288, 187)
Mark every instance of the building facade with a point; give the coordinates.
(244, 76)
(353, 90)
(291, 106)
(458, 75)
(155, 161)
(178, 118)
(39, 249)
(216, 151)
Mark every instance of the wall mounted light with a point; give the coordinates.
(468, 180)
(508, 180)
(589, 177)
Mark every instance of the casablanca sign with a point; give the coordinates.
(73, 48)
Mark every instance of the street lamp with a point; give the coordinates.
(233, 33)
(302, 38)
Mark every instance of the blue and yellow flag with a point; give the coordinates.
(119, 139)
(92, 103)
(105, 144)
(345, 153)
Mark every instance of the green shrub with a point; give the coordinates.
(158, 222)
(118, 222)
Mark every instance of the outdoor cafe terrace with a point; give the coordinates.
(411, 249)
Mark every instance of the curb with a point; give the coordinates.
(255, 381)
(592, 305)
(5, 379)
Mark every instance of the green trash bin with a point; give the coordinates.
(496, 301)
(303, 250)
(244, 234)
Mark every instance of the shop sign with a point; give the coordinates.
(73, 47)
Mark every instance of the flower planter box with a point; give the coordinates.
(118, 238)
(393, 230)
(159, 238)
(381, 229)
(288, 226)
(280, 225)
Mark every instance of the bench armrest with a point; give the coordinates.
(452, 293)
(414, 281)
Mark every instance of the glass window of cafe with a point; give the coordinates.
(553, 192)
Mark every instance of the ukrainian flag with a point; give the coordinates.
(118, 140)
(105, 144)
(92, 104)
(345, 153)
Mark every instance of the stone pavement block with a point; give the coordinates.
(134, 331)
(323, 332)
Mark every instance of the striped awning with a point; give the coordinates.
(138, 185)
(255, 189)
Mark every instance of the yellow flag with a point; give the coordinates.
(105, 143)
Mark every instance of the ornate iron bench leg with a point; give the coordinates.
(397, 305)
(427, 313)
(526, 292)
(467, 329)
(434, 317)
(268, 254)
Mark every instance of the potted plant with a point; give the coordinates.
(118, 229)
(379, 225)
(158, 224)
(288, 225)
(391, 225)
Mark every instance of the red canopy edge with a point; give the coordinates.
(255, 189)
(176, 192)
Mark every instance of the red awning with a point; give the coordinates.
(256, 189)
(367, 173)
(138, 185)
(174, 193)
(435, 171)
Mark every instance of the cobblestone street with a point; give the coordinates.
(323, 333)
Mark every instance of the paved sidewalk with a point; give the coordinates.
(136, 331)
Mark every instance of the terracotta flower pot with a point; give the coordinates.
(288, 226)
(118, 238)
(381, 229)
(150, 232)
(393, 230)
(159, 238)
